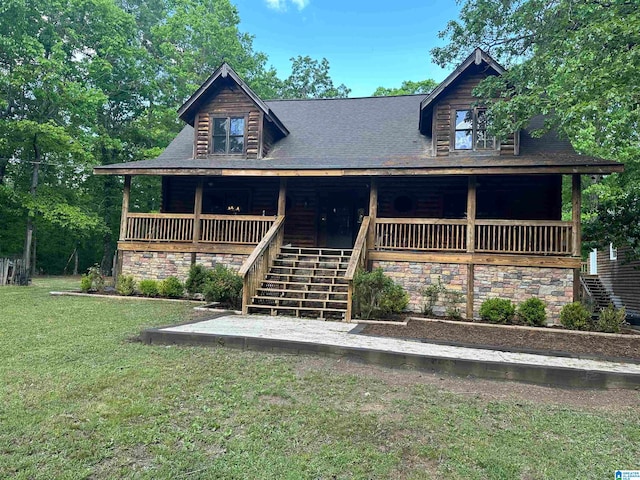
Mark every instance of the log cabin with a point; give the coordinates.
(299, 194)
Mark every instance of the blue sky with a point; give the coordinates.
(368, 43)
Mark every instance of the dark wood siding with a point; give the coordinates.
(228, 100)
(621, 278)
(433, 197)
(460, 95)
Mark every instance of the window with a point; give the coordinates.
(470, 130)
(613, 252)
(228, 135)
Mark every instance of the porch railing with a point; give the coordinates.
(533, 237)
(255, 268)
(357, 260)
(435, 234)
(177, 227)
(523, 237)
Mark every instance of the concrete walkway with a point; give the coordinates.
(338, 339)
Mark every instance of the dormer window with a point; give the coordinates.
(228, 135)
(470, 130)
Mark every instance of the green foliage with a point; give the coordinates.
(497, 310)
(576, 317)
(611, 319)
(126, 285)
(431, 294)
(375, 295)
(171, 287)
(532, 312)
(452, 304)
(408, 87)
(148, 288)
(223, 285)
(85, 283)
(310, 79)
(199, 275)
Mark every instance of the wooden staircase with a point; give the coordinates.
(599, 295)
(305, 282)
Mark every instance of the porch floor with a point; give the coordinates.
(291, 335)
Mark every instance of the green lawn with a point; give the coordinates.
(81, 398)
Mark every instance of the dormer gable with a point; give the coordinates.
(229, 119)
(451, 116)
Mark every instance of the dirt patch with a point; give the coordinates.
(538, 340)
(485, 390)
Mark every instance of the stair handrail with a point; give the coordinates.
(256, 266)
(357, 260)
(586, 291)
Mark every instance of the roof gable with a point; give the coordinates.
(477, 59)
(189, 109)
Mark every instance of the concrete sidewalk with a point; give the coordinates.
(338, 339)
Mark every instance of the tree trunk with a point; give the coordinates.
(75, 262)
(34, 185)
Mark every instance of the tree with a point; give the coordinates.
(310, 79)
(576, 62)
(408, 87)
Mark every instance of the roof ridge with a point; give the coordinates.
(345, 98)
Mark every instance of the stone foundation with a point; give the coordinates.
(554, 286)
(160, 265)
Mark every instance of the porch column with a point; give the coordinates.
(471, 241)
(576, 231)
(125, 206)
(373, 213)
(197, 210)
(282, 196)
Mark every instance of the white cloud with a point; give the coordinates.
(281, 5)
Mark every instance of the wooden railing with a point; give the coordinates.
(523, 237)
(357, 260)
(178, 227)
(257, 265)
(435, 234)
(159, 227)
(239, 229)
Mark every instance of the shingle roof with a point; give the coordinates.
(356, 133)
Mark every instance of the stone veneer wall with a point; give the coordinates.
(160, 265)
(414, 277)
(554, 286)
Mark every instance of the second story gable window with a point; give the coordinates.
(228, 135)
(470, 131)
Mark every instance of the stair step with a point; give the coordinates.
(329, 272)
(321, 312)
(299, 302)
(304, 286)
(344, 252)
(310, 277)
(277, 292)
(294, 263)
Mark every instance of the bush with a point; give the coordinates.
(576, 317)
(532, 312)
(452, 301)
(431, 295)
(611, 319)
(85, 283)
(148, 288)
(198, 277)
(497, 310)
(223, 285)
(126, 285)
(171, 287)
(375, 295)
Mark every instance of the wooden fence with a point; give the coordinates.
(13, 272)
(434, 234)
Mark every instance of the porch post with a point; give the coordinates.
(373, 213)
(576, 232)
(125, 206)
(197, 211)
(471, 241)
(282, 196)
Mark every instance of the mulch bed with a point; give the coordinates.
(542, 340)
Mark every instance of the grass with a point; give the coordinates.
(80, 398)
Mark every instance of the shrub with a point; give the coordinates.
(126, 285)
(532, 312)
(224, 285)
(85, 283)
(198, 277)
(148, 288)
(611, 319)
(576, 317)
(171, 287)
(452, 301)
(93, 281)
(376, 295)
(431, 295)
(497, 310)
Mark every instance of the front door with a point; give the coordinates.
(338, 222)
